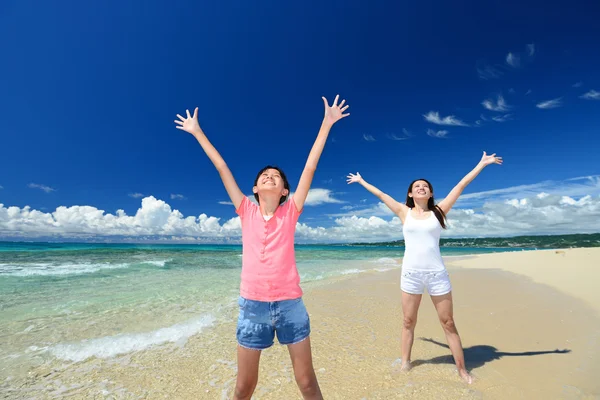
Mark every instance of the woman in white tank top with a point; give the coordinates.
(422, 264)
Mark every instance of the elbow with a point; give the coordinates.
(221, 167)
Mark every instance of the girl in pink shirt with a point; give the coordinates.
(270, 296)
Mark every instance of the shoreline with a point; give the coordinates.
(517, 330)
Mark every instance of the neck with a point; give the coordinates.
(268, 205)
(421, 206)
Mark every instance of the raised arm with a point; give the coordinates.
(448, 202)
(332, 115)
(190, 125)
(397, 208)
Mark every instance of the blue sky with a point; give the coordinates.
(90, 93)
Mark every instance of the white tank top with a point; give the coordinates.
(422, 244)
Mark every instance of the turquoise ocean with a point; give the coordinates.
(71, 301)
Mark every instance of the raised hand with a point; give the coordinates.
(490, 159)
(354, 178)
(335, 112)
(189, 124)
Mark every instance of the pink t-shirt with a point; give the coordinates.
(269, 270)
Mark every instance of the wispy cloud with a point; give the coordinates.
(530, 49)
(226, 203)
(591, 95)
(437, 134)
(45, 188)
(502, 118)
(1, 187)
(487, 72)
(479, 122)
(548, 104)
(175, 196)
(405, 135)
(574, 187)
(512, 91)
(498, 105)
(135, 195)
(328, 181)
(320, 196)
(528, 92)
(368, 138)
(513, 60)
(450, 120)
(578, 84)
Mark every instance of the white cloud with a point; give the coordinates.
(177, 197)
(528, 92)
(45, 188)
(437, 134)
(513, 60)
(320, 196)
(368, 138)
(135, 195)
(393, 136)
(450, 120)
(530, 49)
(551, 207)
(487, 72)
(591, 95)
(499, 105)
(548, 104)
(479, 122)
(502, 118)
(577, 84)
(574, 187)
(1, 187)
(227, 203)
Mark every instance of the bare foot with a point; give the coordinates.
(465, 376)
(404, 366)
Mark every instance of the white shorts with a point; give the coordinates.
(415, 282)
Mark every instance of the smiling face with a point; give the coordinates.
(271, 181)
(420, 190)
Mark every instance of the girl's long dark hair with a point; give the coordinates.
(439, 213)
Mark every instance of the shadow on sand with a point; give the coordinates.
(478, 356)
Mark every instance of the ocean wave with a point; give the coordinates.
(386, 261)
(48, 269)
(110, 346)
(158, 263)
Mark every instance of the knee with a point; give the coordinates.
(244, 388)
(307, 383)
(448, 324)
(409, 322)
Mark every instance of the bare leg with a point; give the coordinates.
(247, 376)
(410, 309)
(301, 356)
(444, 308)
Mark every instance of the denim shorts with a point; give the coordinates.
(415, 282)
(259, 321)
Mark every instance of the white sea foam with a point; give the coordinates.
(48, 269)
(351, 271)
(109, 346)
(386, 261)
(158, 263)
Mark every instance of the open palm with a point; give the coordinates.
(490, 159)
(354, 178)
(189, 124)
(335, 112)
